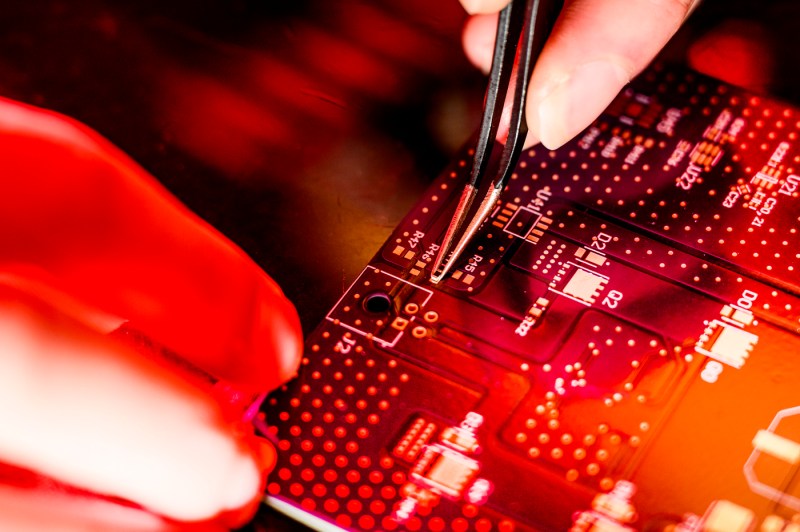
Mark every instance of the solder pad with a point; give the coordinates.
(618, 348)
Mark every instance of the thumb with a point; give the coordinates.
(90, 412)
(596, 47)
(108, 234)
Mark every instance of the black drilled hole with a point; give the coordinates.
(378, 303)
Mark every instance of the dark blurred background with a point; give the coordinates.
(302, 130)
(305, 130)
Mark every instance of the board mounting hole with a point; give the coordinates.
(378, 303)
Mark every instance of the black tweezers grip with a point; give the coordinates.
(539, 14)
(509, 28)
(535, 18)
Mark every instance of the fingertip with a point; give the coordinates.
(258, 344)
(593, 51)
(278, 350)
(265, 453)
(265, 457)
(155, 265)
(563, 109)
(475, 7)
(478, 39)
(531, 140)
(155, 439)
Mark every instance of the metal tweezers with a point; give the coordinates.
(523, 26)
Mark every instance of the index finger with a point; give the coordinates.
(483, 7)
(95, 225)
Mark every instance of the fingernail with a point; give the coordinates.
(265, 458)
(504, 127)
(265, 453)
(573, 103)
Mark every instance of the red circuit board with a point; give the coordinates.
(617, 350)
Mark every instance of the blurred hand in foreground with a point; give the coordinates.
(90, 241)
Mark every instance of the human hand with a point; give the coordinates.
(595, 48)
(90, 241)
